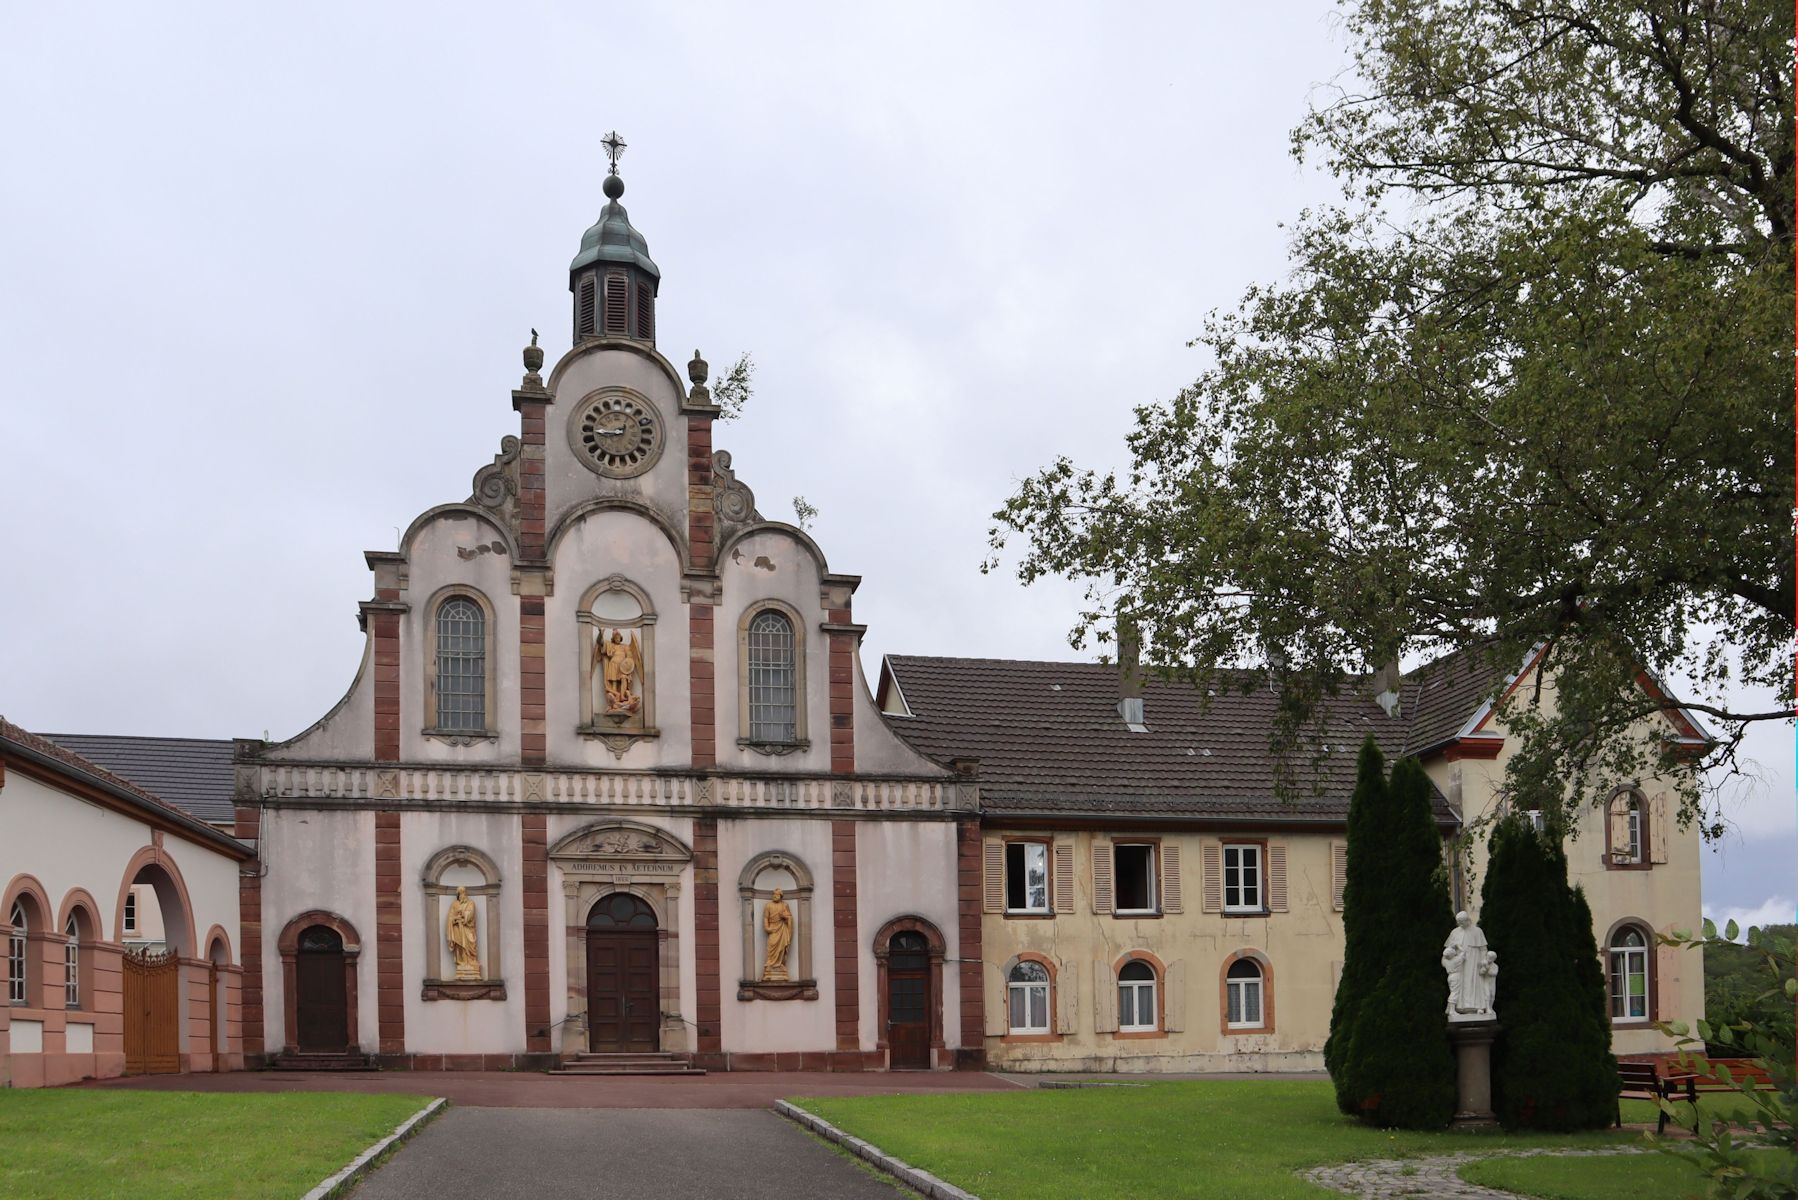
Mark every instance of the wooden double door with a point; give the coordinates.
(152, 987)
(624, 973)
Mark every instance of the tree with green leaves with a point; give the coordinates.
(1552, 1066)
(1388, 1052)
(1528, 385)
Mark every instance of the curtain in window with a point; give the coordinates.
(1629, 976)
(461, 665)
(1028, 994)
(1242, 987)
(1136, 996)
(771, 680)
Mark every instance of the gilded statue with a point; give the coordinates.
(621, 671)
(777, 919)
(460, 928)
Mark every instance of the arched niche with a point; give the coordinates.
(761, 875)
(617, 626)
(447, 870)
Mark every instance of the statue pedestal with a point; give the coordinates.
(1473, 1073)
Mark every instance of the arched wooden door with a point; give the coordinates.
(321, 1009)
(624, 995)
(152, 1009)
(908, 1001)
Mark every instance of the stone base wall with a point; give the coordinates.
(1272, 1062)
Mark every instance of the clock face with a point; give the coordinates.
(617, 433)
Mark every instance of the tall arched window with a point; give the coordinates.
(461, 665)
(772, 684)
(1243, 995)
(16, 943)
(71, 964)
(1629, 975)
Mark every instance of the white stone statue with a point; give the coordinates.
(1472, 972)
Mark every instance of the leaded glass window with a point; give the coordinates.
(772, 685)
(1629, 976)
(1242, 991)
(1028, 998)
(15, 955)
(71, 965)
(461, 665)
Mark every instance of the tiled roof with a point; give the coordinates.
(1439, 697)
(1049, 739)
(68, 761)
(193, 774)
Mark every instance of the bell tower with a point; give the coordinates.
(613, 279)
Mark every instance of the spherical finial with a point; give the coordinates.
(613, 187)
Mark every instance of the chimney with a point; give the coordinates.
(1385, 687)
(1130, 674)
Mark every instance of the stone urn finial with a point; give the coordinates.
(533, 363)
(698, 371)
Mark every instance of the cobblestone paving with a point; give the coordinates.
(1390, 1178)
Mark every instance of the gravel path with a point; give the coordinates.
(1438, 1177)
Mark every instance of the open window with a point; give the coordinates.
(1027, 877)
(1133, 866)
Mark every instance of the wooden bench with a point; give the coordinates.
(1745, 1073)
(1644, 1081)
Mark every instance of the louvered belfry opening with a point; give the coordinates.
(646, 312)
(585, 306)
(617, 306)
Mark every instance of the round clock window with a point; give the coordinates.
(617, 433)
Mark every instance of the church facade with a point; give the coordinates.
(612, 720)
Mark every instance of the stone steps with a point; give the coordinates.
(638, 1063)
(346, 1061)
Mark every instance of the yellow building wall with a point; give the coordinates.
(1302, 946)
(1664, 895)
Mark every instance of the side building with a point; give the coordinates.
(1152, 901)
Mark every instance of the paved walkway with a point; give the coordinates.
(671, 1154)
(1395, 1178)
(533, 1089)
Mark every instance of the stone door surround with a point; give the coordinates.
(616, 855)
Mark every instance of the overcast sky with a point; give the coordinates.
(266, 272)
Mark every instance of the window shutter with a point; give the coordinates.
(1105, 1002)
(646, 313)
(1173, 1000)
(1170, 877)
(1064, 877)
(997, 1018)
(1213, 871)
(616, 304)
(583, 317)
(1663, 985)
(1338, 873)
(1276, 877)
(1616, 841)
(1066, 985)
(994, 875)
(1102, 863)
(1657, 828)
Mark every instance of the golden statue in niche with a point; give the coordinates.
(621, 672)
(777, 919)
(460, 929)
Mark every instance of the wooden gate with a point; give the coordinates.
(152, 1007)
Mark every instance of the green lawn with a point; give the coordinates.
(66, 1142)
(1637, 1177)
(1212, 1138)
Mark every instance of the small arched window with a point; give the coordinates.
(16, 960)
(1629, 975)
(772, 685)
(1027, 995)
(1136, 997)
(71, 964)
(1243, 995)
(461, 666)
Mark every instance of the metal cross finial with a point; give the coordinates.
(614, 148)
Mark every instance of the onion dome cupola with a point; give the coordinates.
(613, 279)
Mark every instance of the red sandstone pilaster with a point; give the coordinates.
(848, 942)
(709, 1003)
(390, 977)
(970, 904)
(702, 681)
(386, 626)
(535, 836)
(249, 924)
